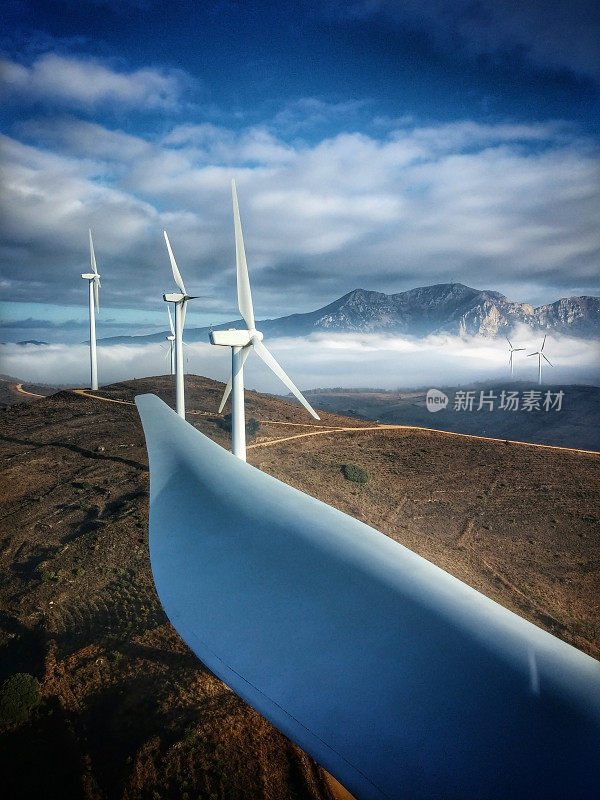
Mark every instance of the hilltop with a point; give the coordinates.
(127, 711)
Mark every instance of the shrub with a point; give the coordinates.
(352, 472)
(225, 423)
(252, 427)
(18, 696)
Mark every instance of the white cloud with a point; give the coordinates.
(494, 206)
(88, 82)
(321, 360)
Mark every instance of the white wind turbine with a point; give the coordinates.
(512, 350)
(180, 300)
(241, 342)
(540, 354)
(93, 279)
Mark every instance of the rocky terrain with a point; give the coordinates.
(446, 308)
(123, 709)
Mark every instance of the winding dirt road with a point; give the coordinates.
(21, 390)
(326, 429)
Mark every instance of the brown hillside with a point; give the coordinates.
(127, 711)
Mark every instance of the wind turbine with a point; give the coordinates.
(512, 350)
(540, 354)
(180, 300)
(241, 342)
(93, 279)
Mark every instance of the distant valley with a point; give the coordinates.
(446, 308)
(574, 425)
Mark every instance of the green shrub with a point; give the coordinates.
(352, 472)
(252, 427)
(18, 696)
(225, 423)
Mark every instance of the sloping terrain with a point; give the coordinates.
(575, 424)
(13, 391)
(127, 711)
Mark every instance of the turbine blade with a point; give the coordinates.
(96, 299)
(262, 351)
(548, 360)
(543, 343)
(243, 282)
(171, 320)
(227, 392)
(176, 273)
(183, 310)
(518, 349)
(531, 354)
(92, 254)
(508, 340)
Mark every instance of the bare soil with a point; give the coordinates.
(128, 711)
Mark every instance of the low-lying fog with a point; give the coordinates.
(322, 360)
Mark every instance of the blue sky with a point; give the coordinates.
(375, 143)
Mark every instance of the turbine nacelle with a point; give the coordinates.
(235, 338)
(90, 276)
(230, 338)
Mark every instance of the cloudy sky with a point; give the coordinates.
(381, 144)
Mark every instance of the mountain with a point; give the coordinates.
(445, 308)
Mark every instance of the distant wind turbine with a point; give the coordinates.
(540, 354)
(512, 350)
(93, 279)
(241, 342)
(180, 300)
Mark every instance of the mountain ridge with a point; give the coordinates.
(444, 308)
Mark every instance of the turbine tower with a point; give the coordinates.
(93, 279)
(171, 340)
(241, 342)
(540, 354)
(180, 300)
(512, 350)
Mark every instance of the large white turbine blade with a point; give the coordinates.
(266, 356)
(176, 274)
(395, 676)
(227, 392)
(543, 343)
(547, 359)
(243, 282)
(171, 321)
(92, 254)
(96, 299)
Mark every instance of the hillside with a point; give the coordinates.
(13, 391)
(575, 424)
(445, 308)
(127, 711)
